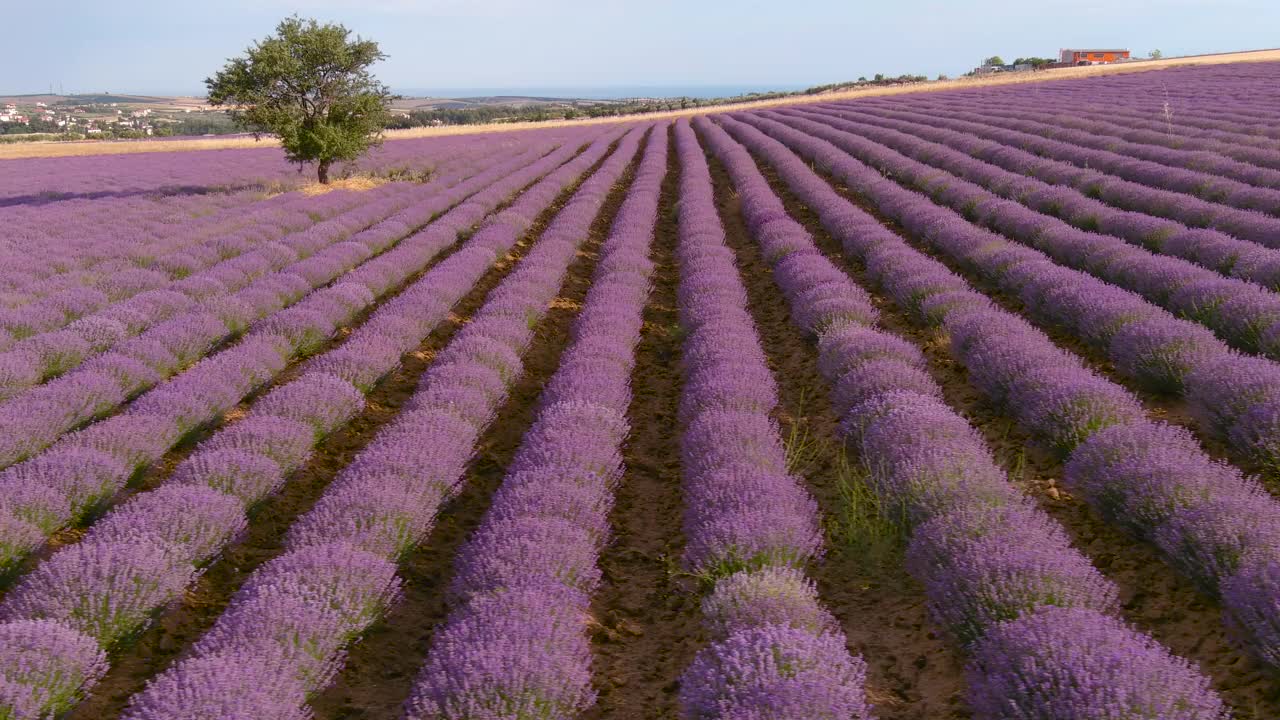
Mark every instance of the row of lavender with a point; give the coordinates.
(1235, 86)
(1244, 314)
(283, 634)
(204, 275)
(1241, 176)
(192, 259)
(1000, 576)
(1214, 525)
(1195, 199)
(76, 330)
(515, 642)
(1233, 149)
(1028, 179)
(1208, 133)
(80, 248)
(750, 526)
(78, 251)
(141, 556)
(40, 416)
(1235, 397)
(85, 468)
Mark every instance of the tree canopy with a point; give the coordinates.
(309, 85)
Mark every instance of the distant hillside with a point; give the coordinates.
(519, 101)
(89, 99)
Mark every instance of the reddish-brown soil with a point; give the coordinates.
(911, 672)
(380, 670)
(648, 625)
(1154, 598)
(181, 625)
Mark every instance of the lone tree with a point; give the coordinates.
(309, 85)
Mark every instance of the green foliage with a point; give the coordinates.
(1155, 54)
(1034, 62)
(309, 85)
(993, 60)
(862, 526)
(200, 124)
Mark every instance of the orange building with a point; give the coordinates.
(1089, 57)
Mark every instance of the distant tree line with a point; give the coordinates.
(201, 124)
(36, 125)
(540, 113)
(1034, 62)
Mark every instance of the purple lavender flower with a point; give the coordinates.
(1141, 475)
(780, 596)
(1207, 540)
(513, 652)
(133, 440)
(322, 401)
(235, 686)
(775, 671)
(1161, 353)
(841, 350)
(106, 590)
(526, 549)
(981, 566)
(45, 667)
(287, 442)
(194, 521)
(375, 513)
(1251, 599)
(246, 475)
(1060, 663)
(83, 476)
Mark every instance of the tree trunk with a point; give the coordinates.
(323, 171)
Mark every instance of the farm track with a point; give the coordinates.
(178, 627)
(380, 669)
(1153, 597)
(155, 474)
(911, 673)
(648, 619)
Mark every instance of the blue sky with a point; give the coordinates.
(169, 46)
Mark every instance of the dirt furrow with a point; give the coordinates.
(648, 618)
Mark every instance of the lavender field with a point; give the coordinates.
(957, 404)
